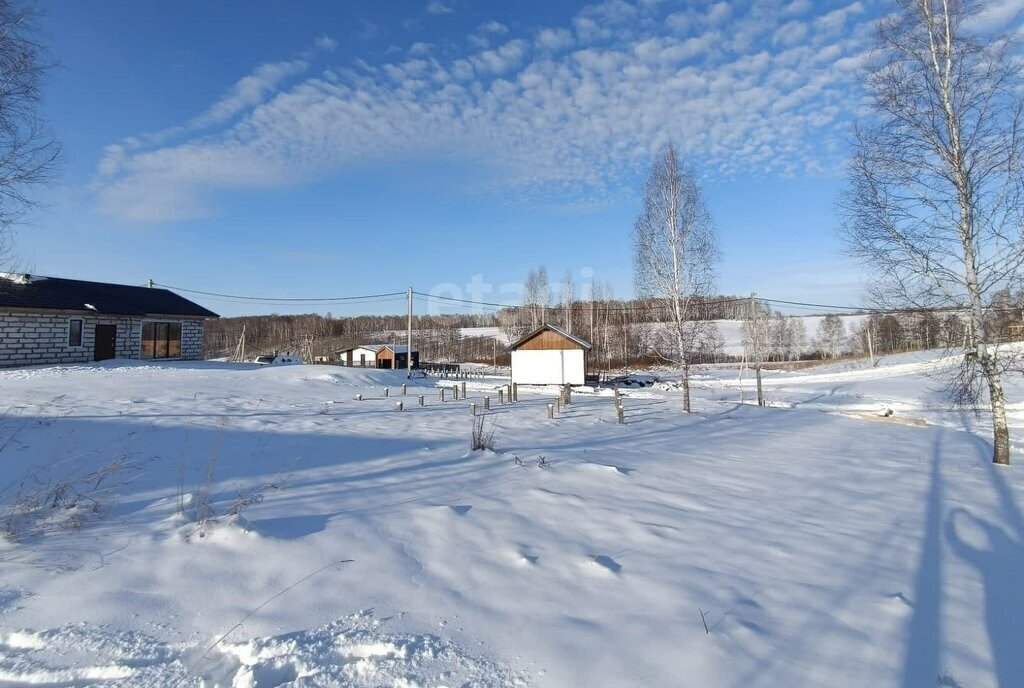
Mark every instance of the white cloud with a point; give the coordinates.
(719, 13)
(996, 15)
(249, 91)
(554, 40)
(325, 43)
(577, 108)
(439, 7)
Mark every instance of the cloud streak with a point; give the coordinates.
(758, 88)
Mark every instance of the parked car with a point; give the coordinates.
(277, 360)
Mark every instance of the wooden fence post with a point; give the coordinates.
(421, 400)
(515, 391)
(441, 390)
(400, 406)
(487, 403)
(463, 390)
(387, 392)
(404, 390)
(501, 397)
(551, 410)
(472, 409)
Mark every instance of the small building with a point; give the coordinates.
(45, 320)
(549, 356)
(388, 356)
(362, 355)
(396, 357)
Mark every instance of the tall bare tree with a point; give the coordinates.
(675, 251)
(543, 293)
(568, 297)
(935, 200)
(28, 151)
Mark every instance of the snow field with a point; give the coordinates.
(819, 549)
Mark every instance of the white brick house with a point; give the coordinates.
(46, 320)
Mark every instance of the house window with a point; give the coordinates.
(161, 340)
(75, 332)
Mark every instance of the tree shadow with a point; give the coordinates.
(1000, 563)
(922, 661)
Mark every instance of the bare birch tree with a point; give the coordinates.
(935, 200)
(543, 293)
(568, 296)
(675, 255)
(28, 152)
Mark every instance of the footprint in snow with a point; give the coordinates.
(607, 563)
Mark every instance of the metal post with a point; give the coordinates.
(387, 392)
(442, 393)
(757, 348)
(408, 350)
(421, 400)
(487, 403)
(404, 390)
(551, 410)
(472, 409)
(400, 406)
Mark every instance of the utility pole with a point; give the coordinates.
(408, 350)
(871, 345)
(757, 347)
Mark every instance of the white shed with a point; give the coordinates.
(362, 356)
(549, 356)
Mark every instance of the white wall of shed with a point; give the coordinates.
(548, 366)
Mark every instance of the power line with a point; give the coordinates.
(284, 299)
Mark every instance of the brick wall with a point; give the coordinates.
(42, 338)
(192, 340)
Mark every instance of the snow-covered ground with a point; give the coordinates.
(796, 545)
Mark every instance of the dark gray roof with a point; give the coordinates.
(55, 293)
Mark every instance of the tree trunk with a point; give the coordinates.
(1000, 431)
(686, 385)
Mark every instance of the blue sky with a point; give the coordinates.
(336, 148)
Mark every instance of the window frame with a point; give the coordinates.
(169, 327)
(81, 333)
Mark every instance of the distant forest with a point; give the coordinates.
(623, 332)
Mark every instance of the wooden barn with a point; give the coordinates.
(549, 356)
(395, 357)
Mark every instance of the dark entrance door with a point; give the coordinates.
(106, 342)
